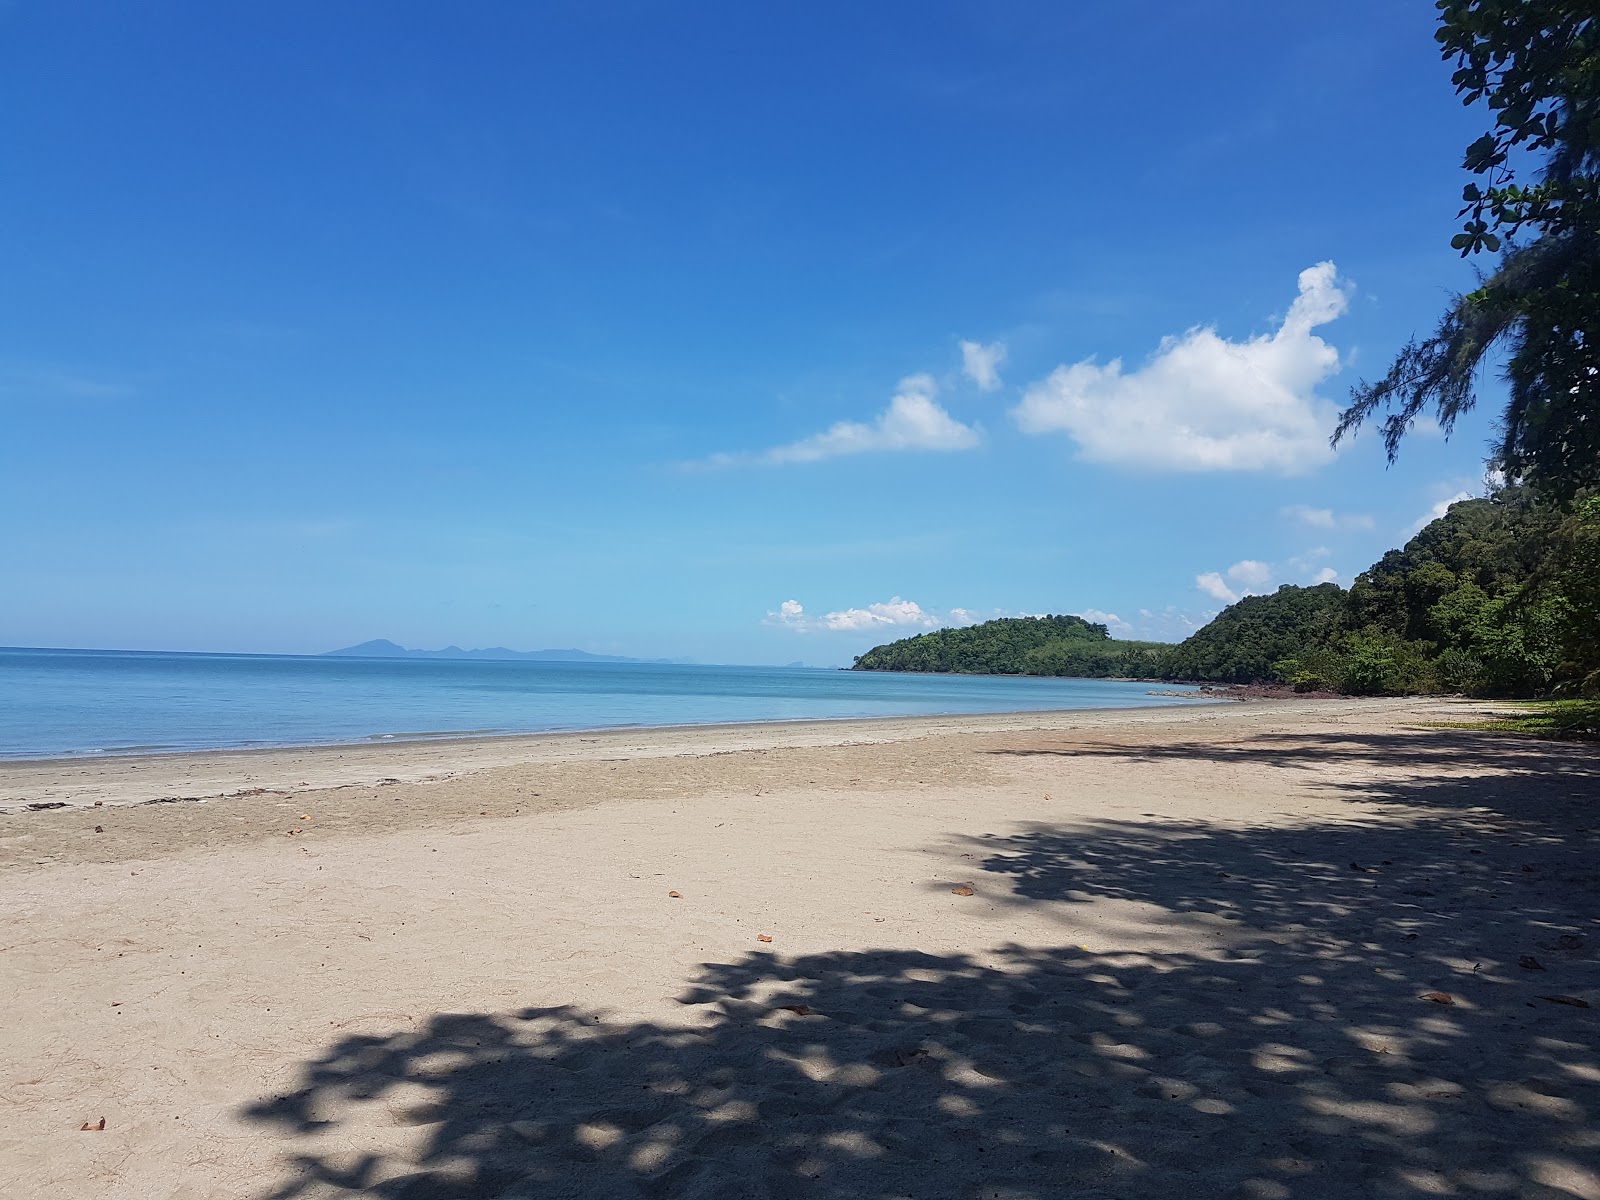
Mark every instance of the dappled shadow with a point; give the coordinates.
(1406, 749)
(1525, 773)
(1272, 1040)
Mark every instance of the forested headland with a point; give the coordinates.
(1052, 645)
(1498, 597)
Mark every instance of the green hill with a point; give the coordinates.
(1498, 597)
(1050, 645)
(1245, 641)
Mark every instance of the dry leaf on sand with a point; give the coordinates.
(763, 937)
(1438, 997)
(1573, 1001)
(963, 890)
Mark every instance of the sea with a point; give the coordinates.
(70, 703)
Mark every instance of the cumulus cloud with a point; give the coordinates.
(981, 364)
(1437, 511)
(914, 420)
(1244, 578)
(1251, 578)
(1325, 518)
(893, 613)
(1202, 402)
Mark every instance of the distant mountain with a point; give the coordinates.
(383, 648)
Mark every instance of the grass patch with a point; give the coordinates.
(1566, 719)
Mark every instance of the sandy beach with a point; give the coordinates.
(1272, 950)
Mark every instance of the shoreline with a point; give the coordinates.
(117, 781)
(425, 737)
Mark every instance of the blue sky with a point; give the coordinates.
(713, 330)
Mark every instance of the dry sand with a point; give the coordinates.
(1192, 963)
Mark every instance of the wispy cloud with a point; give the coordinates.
(981, 364)
(1113, 623)
(1325, 518)
(1170, 624)
(1202, 402)
(56, 383)
(914, 420)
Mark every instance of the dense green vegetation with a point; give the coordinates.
(1053, 645)
(1248, 639)
(1498, 597)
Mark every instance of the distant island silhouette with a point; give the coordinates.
(383, 648)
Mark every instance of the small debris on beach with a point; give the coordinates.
(675, 895)
(1529, 963)
(95, 1128)
(1438, 997)
(1570, 1001)
(799, 1010)
(763, 937)
(964, 890)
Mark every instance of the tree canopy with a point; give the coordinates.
(1247, 639)
(1049, 645)
(1535, 65)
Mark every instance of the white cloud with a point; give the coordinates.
(1245, 578)
(1212, 584)
(1110, 620)
(1204, 403)
(1250, 573)
(1251, 578)
(913, 421)
(1426, 426)
(893, 613)
(1326, 518)
(1171, 624)
(1437, 511)
(981, 364)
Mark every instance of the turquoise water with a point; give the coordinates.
(91, 702)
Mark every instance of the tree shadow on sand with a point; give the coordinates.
(1293, 1056)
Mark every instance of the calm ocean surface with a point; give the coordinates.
(91, 702)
